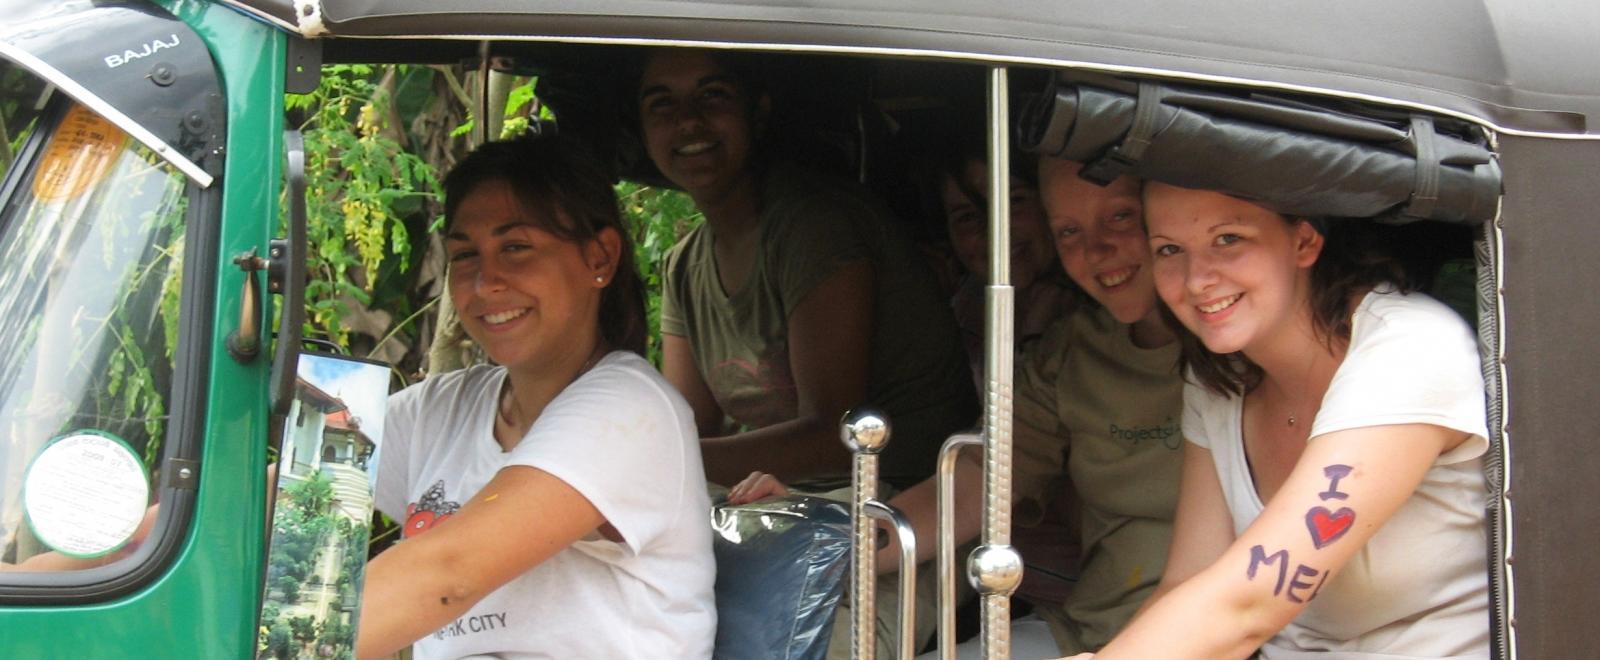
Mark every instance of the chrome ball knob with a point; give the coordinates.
(994, 569)
(865, 431)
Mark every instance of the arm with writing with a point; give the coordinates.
(1342, 490)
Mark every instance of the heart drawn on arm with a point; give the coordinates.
(1327, 526)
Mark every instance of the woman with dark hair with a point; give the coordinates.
(527, 531)
(959, 183)
(797, 300)
(1333, 487)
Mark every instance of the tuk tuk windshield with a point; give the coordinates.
(91, 245)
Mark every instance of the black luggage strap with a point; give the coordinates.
(1425, 192)
(1121, 159)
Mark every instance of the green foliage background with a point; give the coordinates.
(379, 140)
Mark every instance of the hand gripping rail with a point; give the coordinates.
(866, 433)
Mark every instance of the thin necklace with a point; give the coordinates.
(510, 405)
(1292, 416)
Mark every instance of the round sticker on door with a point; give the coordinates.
(85, 494)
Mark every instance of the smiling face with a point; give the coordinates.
(1236, 274)
(522, 293)
(967, 219)
(699, 123)
(1099, 236)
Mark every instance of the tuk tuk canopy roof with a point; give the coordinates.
(1520, 66)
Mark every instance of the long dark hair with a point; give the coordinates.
(1357, 255)
(567, 192)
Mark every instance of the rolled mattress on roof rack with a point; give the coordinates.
(1297, 157)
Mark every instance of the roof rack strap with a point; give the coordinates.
(1426, 193)
(1121, 159)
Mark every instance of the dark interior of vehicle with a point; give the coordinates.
(873, 119)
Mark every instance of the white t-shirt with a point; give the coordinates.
(623, 438)
(1419, 588)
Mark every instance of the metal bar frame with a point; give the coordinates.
(995, 568)
(866, 433)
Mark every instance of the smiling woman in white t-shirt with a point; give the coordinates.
(553, 505)
(1333, 491)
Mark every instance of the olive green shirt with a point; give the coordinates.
(1091, 403)
(812, 225)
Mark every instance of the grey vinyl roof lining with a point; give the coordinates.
(1520, 67)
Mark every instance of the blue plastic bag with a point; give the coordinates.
(781, 566)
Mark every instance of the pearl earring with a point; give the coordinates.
(599, 279)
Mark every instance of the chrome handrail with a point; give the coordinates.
(945, 542)
(908, 572)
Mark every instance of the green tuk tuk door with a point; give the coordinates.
(132, 442)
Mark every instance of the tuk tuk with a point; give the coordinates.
(146, 153)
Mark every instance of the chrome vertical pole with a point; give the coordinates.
(995, 568)
(865, 433)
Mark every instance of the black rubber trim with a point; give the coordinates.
(23, 160)
(286, 276)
